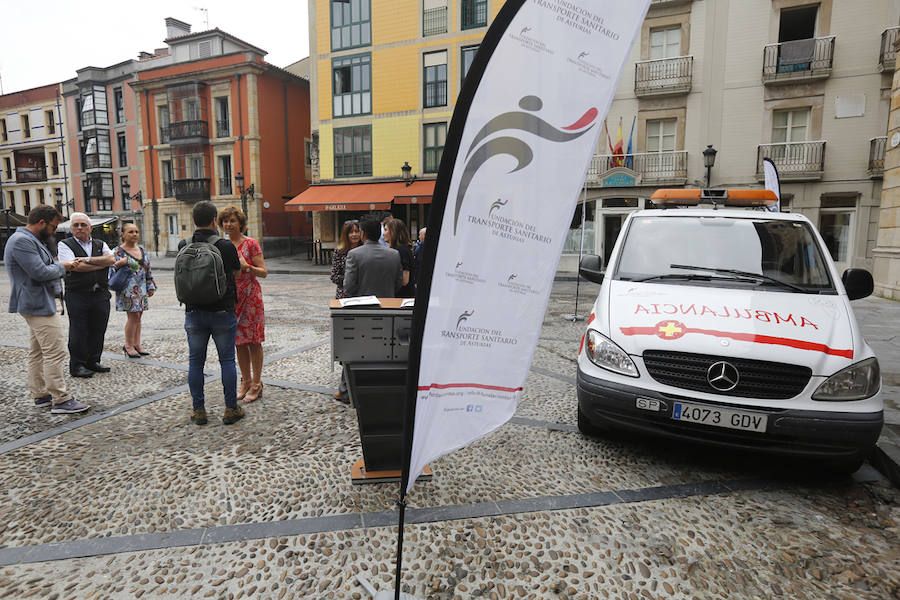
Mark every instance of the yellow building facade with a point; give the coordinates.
(384, 78)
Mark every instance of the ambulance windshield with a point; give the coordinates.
(778, 251)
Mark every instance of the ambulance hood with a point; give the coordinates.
(804, 329)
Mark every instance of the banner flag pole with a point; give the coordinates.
(531, 106)
(575, 316)
(772, 182)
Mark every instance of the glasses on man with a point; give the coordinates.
(81, 225)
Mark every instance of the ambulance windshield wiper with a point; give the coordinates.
(682, 276)
(748, 275)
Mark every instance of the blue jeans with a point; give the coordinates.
(222, 326)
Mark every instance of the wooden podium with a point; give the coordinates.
(372, 343)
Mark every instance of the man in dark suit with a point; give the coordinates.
(372, 269)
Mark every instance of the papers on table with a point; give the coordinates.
(408, 303)
(359, 301)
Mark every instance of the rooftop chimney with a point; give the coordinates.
(144, 55)
(175, 28)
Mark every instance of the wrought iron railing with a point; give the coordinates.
(224, 186)
(887, 58)
(191, 189)
(222, 129)
(30, 174)
(188, 130)
(798, 59)
(164, 134)
(653, 167)
(794, 160)
(663, 76)
(168, 189)
(877, 146)
(434, 21)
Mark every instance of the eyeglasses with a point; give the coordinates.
(81, 224)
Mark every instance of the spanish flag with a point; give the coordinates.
(618, 152)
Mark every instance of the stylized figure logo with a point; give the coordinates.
(464, 317)
(511, 277)
(497, 204)
(582, 55)
(525, 30)
(513, 146)
(459, 264)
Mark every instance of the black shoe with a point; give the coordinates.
(142, 353)
(98, 368)
(81, 371)
(129, 354)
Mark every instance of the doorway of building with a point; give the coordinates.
(836, 227)
(612, 225)
(174, 234)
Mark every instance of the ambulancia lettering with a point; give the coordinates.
(725, 312)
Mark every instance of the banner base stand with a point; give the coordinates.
(383, 594)
(359, 474)
(573, 318)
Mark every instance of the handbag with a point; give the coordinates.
(119, 278)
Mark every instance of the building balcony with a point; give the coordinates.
(168, 189)
(798, 61)
(189, 132)
(434, 21)
(795, 161)
(877, 146)
(646, 168)
(30, 175)
(191, 189)
(663, 76)
(225, 186)
(222, 129)
(887, 58)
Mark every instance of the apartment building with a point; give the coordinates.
(33, 167)
(384, 77)
(804, 83)
(887, 252)
(216, 122)
(100, 110)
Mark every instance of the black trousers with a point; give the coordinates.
(88, 316)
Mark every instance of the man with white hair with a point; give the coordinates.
(87, 296)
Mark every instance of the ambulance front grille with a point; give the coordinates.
(758, 378)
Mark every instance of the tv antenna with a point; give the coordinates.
(205, 12)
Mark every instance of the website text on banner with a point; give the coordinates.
(525, 147)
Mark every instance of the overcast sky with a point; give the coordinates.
(46, 42)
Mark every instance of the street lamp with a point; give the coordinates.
(58, 195)
(408, 177)
(709, 159)
(239, 179)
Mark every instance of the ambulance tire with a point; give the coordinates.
(587, 428)
(845, 467)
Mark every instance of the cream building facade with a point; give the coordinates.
(807, 84)
(887, 252)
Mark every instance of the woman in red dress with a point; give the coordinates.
(249, 306)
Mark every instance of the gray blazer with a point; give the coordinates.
(33, 274)
(373, 270)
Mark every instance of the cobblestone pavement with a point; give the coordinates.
(131, 500)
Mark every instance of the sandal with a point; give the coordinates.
(255, 393)
(242, 391)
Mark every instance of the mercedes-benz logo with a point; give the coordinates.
(723, 376)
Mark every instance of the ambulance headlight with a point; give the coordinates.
(856, 382)
(605, 354)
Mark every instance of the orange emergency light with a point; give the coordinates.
(694, 196)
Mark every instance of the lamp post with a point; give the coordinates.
(709, 159)
(406, 171)
(58, 195)
(239, 179)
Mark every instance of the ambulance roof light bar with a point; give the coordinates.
(746, 198)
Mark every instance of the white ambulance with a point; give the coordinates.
(729, 327)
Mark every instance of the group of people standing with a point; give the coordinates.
(236, 322)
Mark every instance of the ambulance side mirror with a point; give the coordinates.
(858, 283)
(591, 268)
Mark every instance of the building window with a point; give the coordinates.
(474, 13)
(97, 153)
(350, 24)
(790, 125)
(54, 163)
(40, 195)
(225, 176)
(57, 193)
(166, 174)
(99, 187)
(661, 135)
(435, 135)
(11, 204)
(352, 79)
(665, 43)
(434, 17)
(435, 79)
(163, 118)
(26, 126)
(307, 151)
(122, 144)
(4, 134)
(7, 166)
(93, 106)
(353, 151)
(222, 125)
(468, 56)
(26, 199)
(51, 126)
(119, 99)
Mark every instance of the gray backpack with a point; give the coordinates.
(200, 273)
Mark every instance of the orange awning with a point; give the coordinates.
(361, 196)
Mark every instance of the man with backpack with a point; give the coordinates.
(204, 282)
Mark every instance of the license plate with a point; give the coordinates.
(719, 417)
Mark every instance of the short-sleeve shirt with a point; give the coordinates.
(65, 254)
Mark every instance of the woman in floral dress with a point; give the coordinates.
(133, 300)
(251, 318)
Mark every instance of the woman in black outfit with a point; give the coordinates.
(397, 236)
